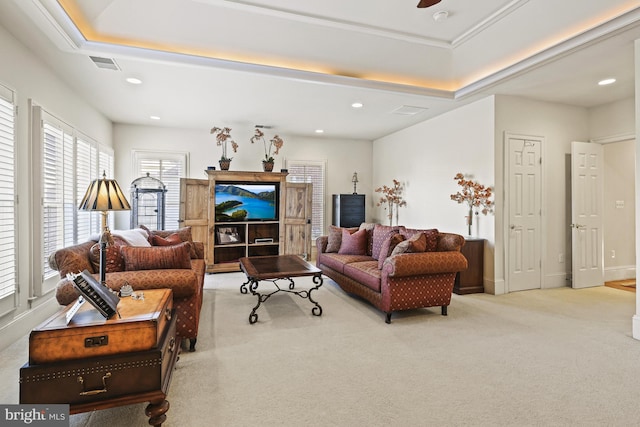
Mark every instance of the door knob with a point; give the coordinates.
(578, 226)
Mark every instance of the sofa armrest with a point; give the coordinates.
(417, 264)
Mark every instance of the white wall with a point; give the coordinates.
(426, 157)
(619, 220)
(612, 120)
(343, 157)
(31, 79)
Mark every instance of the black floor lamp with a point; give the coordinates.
(104, 195)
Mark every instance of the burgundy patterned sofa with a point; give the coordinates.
(173, 261)
(394, 268)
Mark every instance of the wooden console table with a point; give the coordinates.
(471, 281)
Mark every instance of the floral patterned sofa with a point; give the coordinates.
(155, 259)
(394, 268)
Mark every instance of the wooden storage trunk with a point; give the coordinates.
(139, 327)
(86, 384)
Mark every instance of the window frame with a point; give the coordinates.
(182, 157)
(70, 181)
(9, 301)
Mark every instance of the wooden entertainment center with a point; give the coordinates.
(226, 241)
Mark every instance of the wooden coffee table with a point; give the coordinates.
(274, 268)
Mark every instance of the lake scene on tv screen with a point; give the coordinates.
(245, 202)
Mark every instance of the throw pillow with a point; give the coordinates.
(369, 226)
(431, 234)
(353, 244)
(114, 259)
(388, 246)
(134, 237)
(380, 233)
(401, 248)
(170, 240)
(418, 242)
(334, 239)
(184, 233)
(156, 257)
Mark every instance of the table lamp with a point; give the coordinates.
(354, 179)
(104, 195)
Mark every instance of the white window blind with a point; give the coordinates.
(168, 168)
(8, 237)
(313, 172)
(69, 162)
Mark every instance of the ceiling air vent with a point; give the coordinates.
(408, 110)
(105, 63)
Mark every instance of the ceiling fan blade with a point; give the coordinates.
(427, 3)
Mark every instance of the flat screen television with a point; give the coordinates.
(247, 201)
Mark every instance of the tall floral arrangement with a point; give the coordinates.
(392, 198)
(275, 144)
(475, 195)
(223, 135)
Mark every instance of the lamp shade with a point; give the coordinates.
(104, 195)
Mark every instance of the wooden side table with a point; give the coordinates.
(470, 281)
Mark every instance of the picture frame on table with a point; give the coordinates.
(228, 235)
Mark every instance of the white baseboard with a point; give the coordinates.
(556, 280)
(23, 324)
(620, 273)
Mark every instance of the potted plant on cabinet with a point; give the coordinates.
(223, 135)
(275, 144)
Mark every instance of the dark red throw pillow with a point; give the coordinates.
(353, 244)
(170, 240)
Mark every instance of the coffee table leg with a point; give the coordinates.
(317, 310)
(156, 411)
(253, 286)
(243, 287)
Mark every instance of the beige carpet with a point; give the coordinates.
(559, 357)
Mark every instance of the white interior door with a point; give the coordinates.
(525, 213)
(587, 262)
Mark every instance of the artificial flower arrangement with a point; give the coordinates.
(223, 135)
(475, 195)
(391, 197)
(275, 144)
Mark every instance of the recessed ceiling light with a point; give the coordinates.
(154, 117)
(319, 131)
(134, 81)
(606, 82)
(357, 105)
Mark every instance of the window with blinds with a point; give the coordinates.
(313, 172)
(168, 168)
(69, 162)
(8, 225)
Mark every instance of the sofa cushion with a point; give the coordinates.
(365, 272)
(388, 246)
(157, 257)
(431, 235)
(337, 262)
(335, 237)
(353, 244)
(380, 233)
